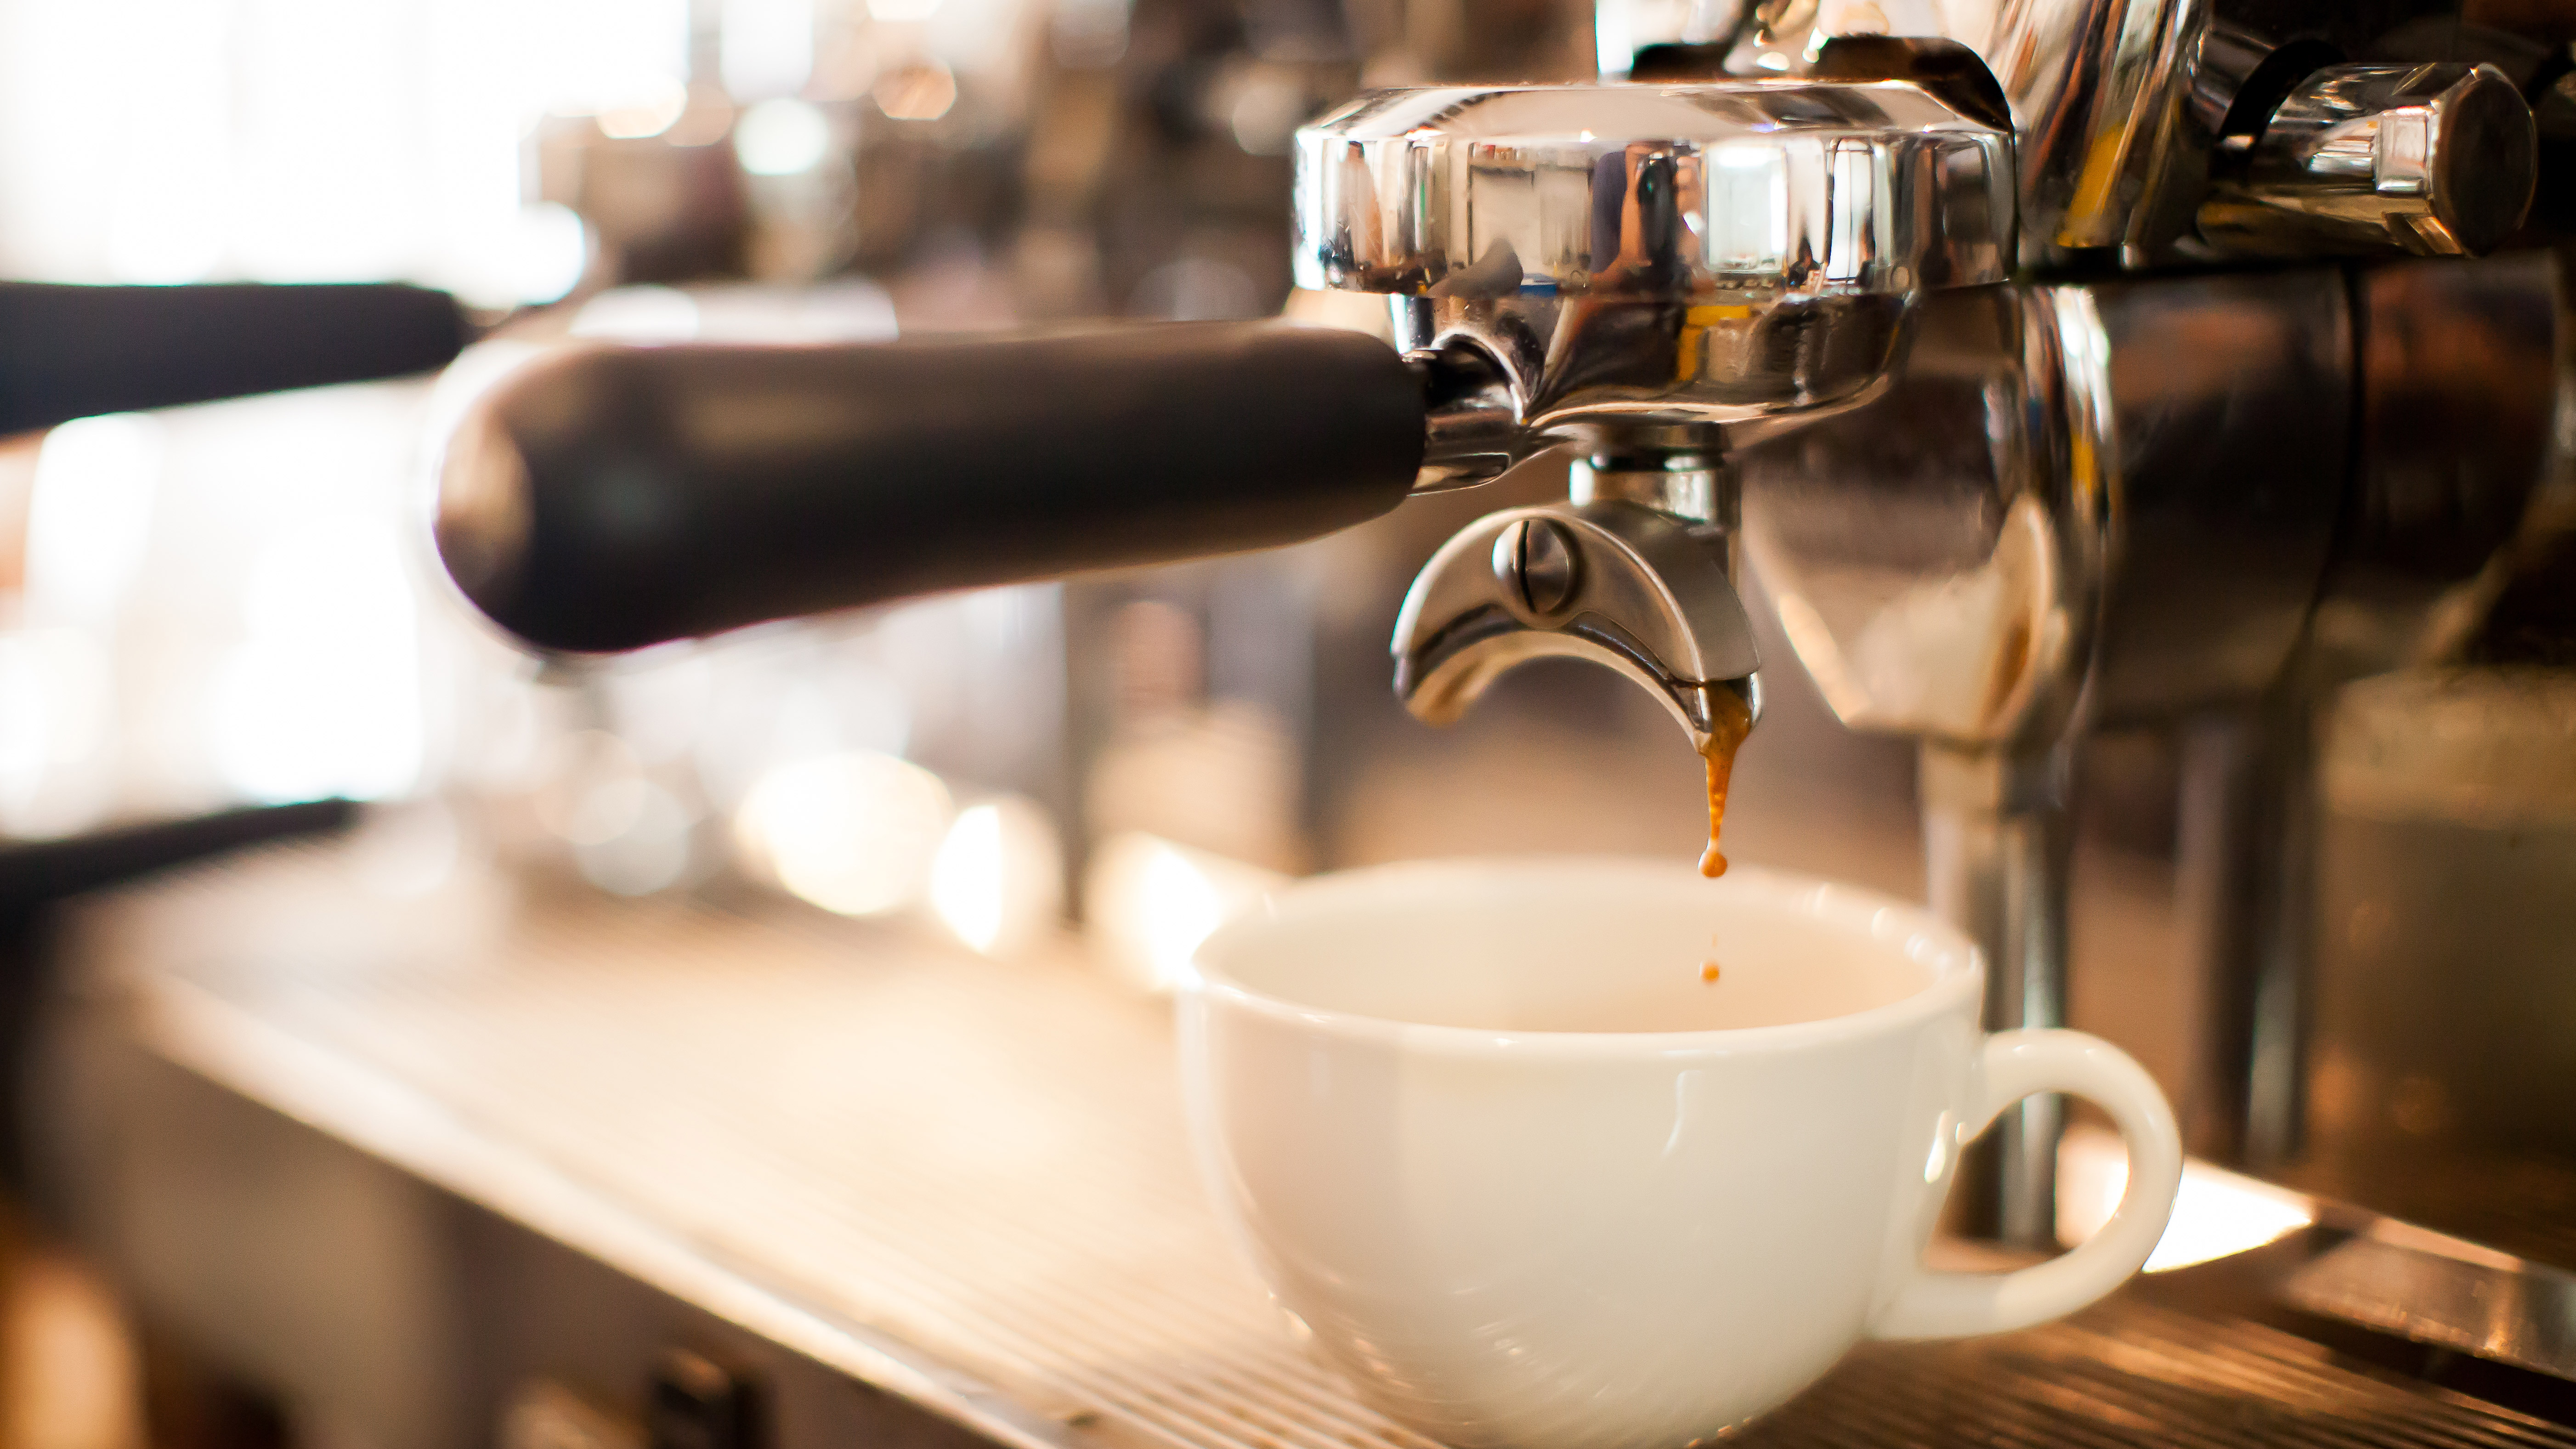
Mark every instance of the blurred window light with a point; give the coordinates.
(922, 91)
(782, 137)
(768, 47)
(27, 731)
(174, 166)
(549, 251)
(322, 696)
(590, 55)
(854, 833)
(997, 880)
(90, 516)
(469, 113)
(56, 709)
(176, 140)
(293, 724)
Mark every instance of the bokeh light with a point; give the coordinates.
(855, 833)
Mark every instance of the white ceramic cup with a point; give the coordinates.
(1532, 1181)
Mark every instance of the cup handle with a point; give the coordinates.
(2018, 1064)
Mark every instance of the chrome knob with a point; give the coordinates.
(2436, 160)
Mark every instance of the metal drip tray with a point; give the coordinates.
(965, 1182)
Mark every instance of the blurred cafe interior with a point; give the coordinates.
(726, 1001)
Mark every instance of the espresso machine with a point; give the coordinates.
(2056, 367)
(1774, 247)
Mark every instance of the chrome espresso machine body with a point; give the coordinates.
(2055, 365)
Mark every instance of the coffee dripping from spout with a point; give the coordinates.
(1647, 275)
(1634, 572)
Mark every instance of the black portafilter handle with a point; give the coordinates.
(611, 497)
(72, 351)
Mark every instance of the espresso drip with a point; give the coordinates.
(1734, 722)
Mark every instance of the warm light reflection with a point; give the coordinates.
(649, 111)
(853, 833)
(782, 137)
(919, 92)
(2216, 1213)
(1150, 903)
(997, 880)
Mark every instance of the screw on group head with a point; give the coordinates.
(1534, 559)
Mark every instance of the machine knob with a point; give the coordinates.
(2436, 160)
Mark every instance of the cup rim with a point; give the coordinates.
(1958, 965)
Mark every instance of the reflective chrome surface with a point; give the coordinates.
(2126, 109)
(2437, 160)
(2118, 496)
(2437, 1290)
(2097, 89)
(2441, 1067)
(1938, 556)
(2084, 505)
(1615, 583)
(1655, 255)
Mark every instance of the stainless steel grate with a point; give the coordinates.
(985, 1162)
(2129, 1373)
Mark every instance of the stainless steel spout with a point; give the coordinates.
(1634, 573)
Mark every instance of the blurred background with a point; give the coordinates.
(230, 604)
(233, 604)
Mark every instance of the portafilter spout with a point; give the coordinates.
(1645, 273)
(1638, 580)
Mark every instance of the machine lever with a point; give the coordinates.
(610, 497)
(72, 351)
